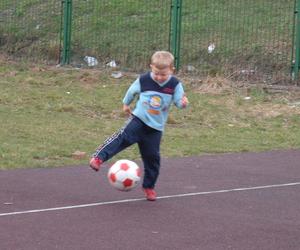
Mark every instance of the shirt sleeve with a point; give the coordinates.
(178, 94)
(133, 90)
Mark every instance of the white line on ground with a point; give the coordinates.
(141, 199)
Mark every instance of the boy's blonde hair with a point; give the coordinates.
(162, 59)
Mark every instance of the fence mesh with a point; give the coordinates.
(124, 31)
(237, 37)
(30, 29)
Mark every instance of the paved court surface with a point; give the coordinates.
(229, 201)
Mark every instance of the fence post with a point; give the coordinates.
(175, 30)
(296, 61)
(67, 26)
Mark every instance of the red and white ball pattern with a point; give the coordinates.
(124, 175)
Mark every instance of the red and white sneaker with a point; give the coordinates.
(95, 163)
(150, 194)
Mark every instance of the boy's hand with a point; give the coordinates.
(184, 101)
(127, 109)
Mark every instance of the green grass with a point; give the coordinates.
(48, 113)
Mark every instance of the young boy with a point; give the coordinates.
(156, 91)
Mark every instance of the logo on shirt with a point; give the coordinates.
(155, 104)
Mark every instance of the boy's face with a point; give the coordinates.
(161, 75)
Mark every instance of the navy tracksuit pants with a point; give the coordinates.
(148, 140)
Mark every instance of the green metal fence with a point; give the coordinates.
(237, 38)
(124, 31)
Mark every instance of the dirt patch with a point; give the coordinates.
(272, 110)
(214, 85)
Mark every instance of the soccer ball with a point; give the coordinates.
(124, 175)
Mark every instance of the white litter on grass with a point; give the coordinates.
(91, 61)
(211, 48)
(190, 68)
(112, 64)
(247, 98)
(117, 75)
(247, 72)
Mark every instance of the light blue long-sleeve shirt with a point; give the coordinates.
(154, 99)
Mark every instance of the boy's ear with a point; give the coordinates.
(151, 67)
